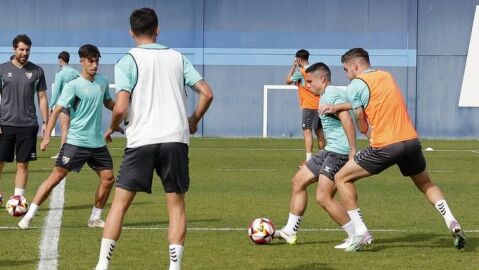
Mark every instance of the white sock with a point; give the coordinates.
(19, 191)
(349, 228)
(444, 210)
(357, 219)
(292, 226)
(32, 211)
(106, 251)
(96, 213)
(176, 253)
(308, 156)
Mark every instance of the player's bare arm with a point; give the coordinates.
(291, 72)
(118, 113)
(50, 126)
(206, 97)
(362, 120)
(43, 104)
(350, 130)
(109, 104)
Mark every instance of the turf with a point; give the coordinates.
(234, 181)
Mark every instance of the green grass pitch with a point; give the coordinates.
(234, 181)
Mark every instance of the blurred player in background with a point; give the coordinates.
(308, 103)
(66, 74)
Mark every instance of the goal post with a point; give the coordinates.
(266, 89)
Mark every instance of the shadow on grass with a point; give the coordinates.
(165, 222)
(309, 266)
(11, 263)
(429, 240)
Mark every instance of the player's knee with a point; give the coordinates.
(108, 181)
(297, 184)
(323, 199)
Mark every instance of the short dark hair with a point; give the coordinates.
(89, 51)
(322, 67)
(65, 56)
(144, 21)
(21, 38)
(302, 54)
(355, 53)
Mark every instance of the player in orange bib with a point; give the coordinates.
(308, 103)
(382, 116)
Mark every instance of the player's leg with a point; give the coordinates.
(307, 122)
(26, 142)
(42, 194)
(321, 139)
(317, 126)
(345, 178)
(101, 162)
(7, 147)
(176, 228)
(173, 169)
(101, 197)
(114, 221)
(414, 165)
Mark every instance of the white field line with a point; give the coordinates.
(51, 230)
(231, 229)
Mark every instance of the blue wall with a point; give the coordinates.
(241, 45)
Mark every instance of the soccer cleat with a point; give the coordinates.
(54, 157)
(289, 238)
(458, 234)
(360, 241)
(276, 234)
(96, 223)
(23, 224)
(346, 243)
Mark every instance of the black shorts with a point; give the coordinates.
(169, 160)
(72, 158)
(20, 142)
(326, 163)
(311, 120)
(407, 155)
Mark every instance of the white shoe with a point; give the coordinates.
(54, 157)
(346, 243)
(360, 241)
(96, 223)
(23, 224)
(289, 238)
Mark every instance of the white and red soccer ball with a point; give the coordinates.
(16, 206)
(261, 231)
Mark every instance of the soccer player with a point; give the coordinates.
(382, 116)
(85, 96)
(340, 135)
(20, 80)
(308, 103)
(65, 75)
(150, 82)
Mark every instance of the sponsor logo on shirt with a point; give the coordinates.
(9, 74)
(29, 75)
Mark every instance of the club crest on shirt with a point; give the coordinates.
(29, 75)
(9, 74)
(65, 160)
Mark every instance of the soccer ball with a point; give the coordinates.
(261, 231)
(16, 206)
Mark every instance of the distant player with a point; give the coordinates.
(340, 135)
(382, 116)
(150, 83)
(85, 96)
(65, 75)
(20, 81)
(308, 103)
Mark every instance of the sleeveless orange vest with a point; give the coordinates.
(386, 111)
(307, 100)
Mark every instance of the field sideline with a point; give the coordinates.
(236, 180)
